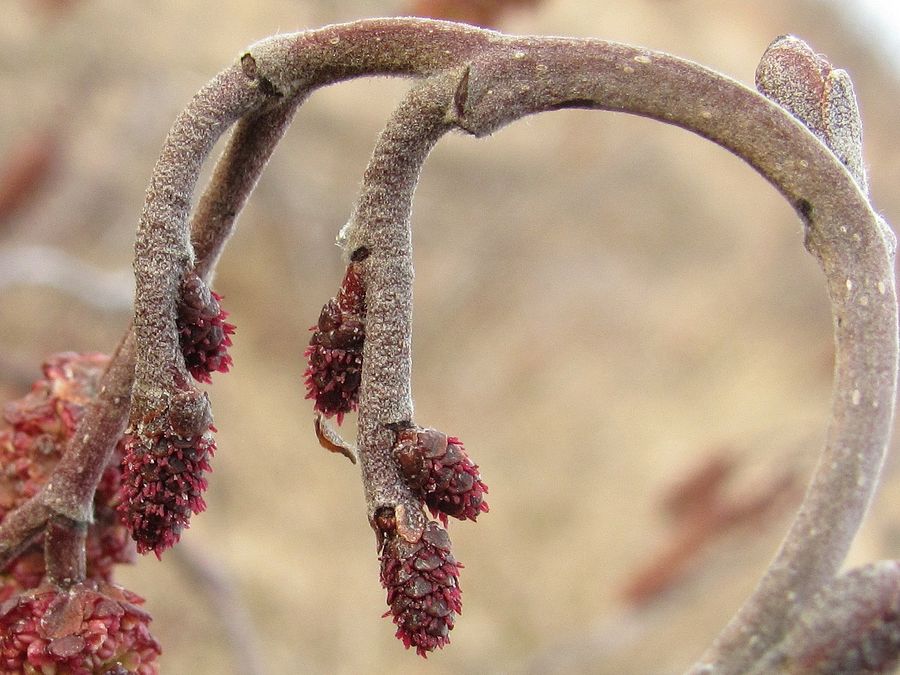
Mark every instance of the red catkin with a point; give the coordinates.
(204, 334)
(437, 467)
(334, 354)
(91, 628)
(163, 480)
(422, 582)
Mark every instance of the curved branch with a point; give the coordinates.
(512, 77)
(251, 145)
(842, 232)
(285, 67)
(517, 77)
(163, 252)
(380, 227)
(69, 492)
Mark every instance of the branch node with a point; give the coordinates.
(805, 84)
(460, 96)
(64, 551)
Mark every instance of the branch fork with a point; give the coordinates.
(802, 133)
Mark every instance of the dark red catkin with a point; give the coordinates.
(437, 467)
(204, 334)
(334, 354)
(422, 582)
(163, 468)
(163, 480)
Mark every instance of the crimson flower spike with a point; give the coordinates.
(334, 354)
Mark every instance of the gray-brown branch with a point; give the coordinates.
(380, 224)
(497, 79)
(512, 77)
(69, 491)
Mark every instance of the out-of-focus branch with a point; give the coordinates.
(45, 266)
(380, 227)
(709, 519)
(214, 582)
(25, 170)
(484, 13)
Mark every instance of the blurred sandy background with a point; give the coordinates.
(605, 308)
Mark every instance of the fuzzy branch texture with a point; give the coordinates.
(801, 133)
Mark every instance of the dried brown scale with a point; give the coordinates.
(812, 90)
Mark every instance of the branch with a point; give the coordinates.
(69, 491)
(64, 552)
(509, 78)
(514, 77)
(285, 67)
(380, 227)
(163, 252)
(26, 169)
(852, 625)
(479, 81)
(842, 232)
(46, 266)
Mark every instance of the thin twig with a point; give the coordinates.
(239, 632)
(163, 251)
(64, 553)
(46, 266)
(69, 490)
(380, 225)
